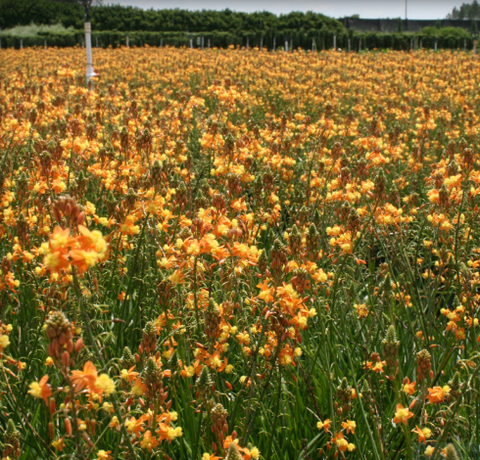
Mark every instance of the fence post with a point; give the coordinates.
(248, 43)
(191, 43)
(96, 41)
(286, 45)
(349, 45)
(203, 40)
(208, 43)
(127, 41)
(335, 43)
(274, 43)
(261, 43)
(88, 43)
(314, 45)
(21, 43)
(45, 43)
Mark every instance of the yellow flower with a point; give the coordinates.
(402, 415)
(4, 341)
(255, 453)
(105, 383)
(58, 444)
(104, 455)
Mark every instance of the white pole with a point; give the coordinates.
(286, 46)
(127, 41)
(21, 43)
(88, 44)
(261, 43)
(349, 45)
(191, 43)
(335, 42)
(45, 43)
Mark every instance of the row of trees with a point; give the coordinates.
(466, 11)
(127, 18)
(307, 40)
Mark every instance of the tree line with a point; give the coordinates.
(128, 18)
(466, 11)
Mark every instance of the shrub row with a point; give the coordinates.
(318, 39)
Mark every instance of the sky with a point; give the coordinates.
(416, 9)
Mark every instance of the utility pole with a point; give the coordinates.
(88, 40)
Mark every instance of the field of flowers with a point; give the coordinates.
(232, 254)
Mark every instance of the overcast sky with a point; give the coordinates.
(416, 9)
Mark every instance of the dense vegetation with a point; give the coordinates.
(127, 18)
(239, 255)
(466, 11)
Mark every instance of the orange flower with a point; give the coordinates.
(129, 375)
(148, 442)
(437, 394)
(349, 426)
(423, 433)
(325, 425)
(85, 378)
(402, 415)
(41, 389)
(407, 387)
(134, 425)
(340, 441)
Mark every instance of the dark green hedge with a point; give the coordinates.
(127, 18)
(322, 39)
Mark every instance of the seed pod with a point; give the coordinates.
(11, 441)
(59, 332)
(279, 256)
(153, 381)
(218, 417)
(127, 360)
(149, 340)
(390, 346)
(423, 364)
(212, 320)
(204, 385)
(294, 240)
(451, 453)
(232, 453)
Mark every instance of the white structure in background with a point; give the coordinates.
(88, 43)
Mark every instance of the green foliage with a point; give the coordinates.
(33, 30)
(21, 12)
(446, 32)
(466, 11)
(128, 18)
